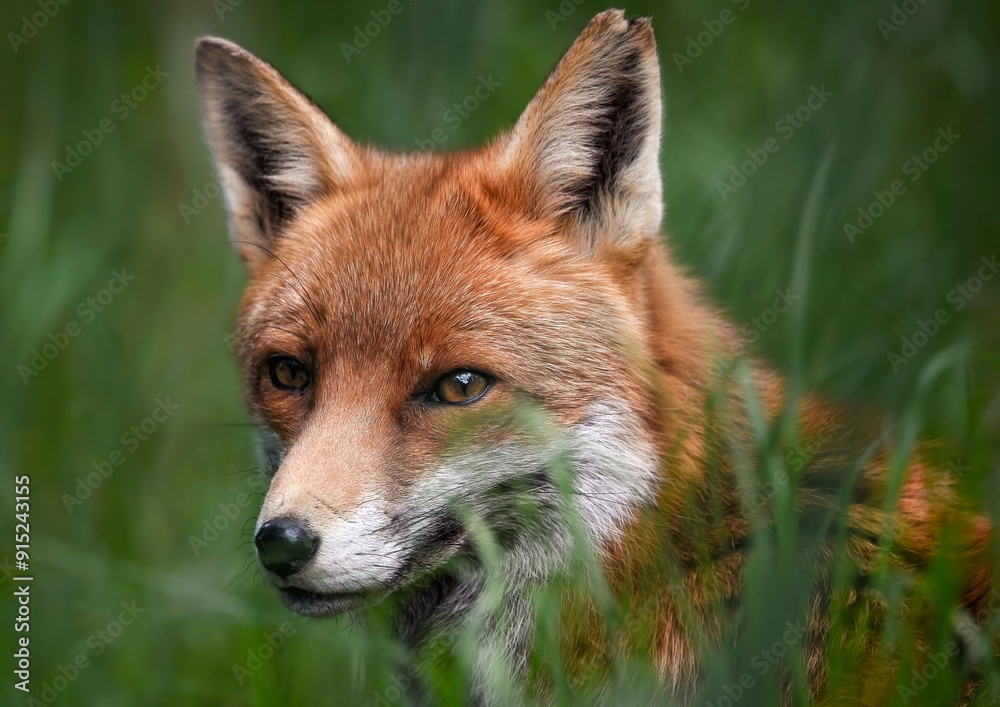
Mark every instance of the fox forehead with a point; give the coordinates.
(426, 264)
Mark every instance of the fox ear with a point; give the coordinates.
(276, 151)
(589, 141)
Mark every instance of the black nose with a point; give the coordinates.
(285, 547)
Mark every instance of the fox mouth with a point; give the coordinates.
(446, 537)
(323, 605)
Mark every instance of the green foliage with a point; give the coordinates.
(162, 515)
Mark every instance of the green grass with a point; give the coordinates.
(163, 336)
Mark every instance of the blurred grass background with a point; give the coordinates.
(164, 335)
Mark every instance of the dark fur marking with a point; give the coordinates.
(421, 605)
(258, 162)
(618, 131)
(256, 159)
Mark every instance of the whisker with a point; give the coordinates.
(301, 289)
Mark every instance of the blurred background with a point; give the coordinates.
(843, 154)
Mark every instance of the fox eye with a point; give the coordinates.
(460, 387)
(287, 373)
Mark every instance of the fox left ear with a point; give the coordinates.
(589, 141)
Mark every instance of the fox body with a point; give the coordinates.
(404, 311)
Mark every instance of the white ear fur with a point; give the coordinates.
(276, 151)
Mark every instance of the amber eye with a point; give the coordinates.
(460, 387)
(287, 373)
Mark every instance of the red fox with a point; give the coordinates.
(405, 310)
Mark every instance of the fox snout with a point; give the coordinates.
(327, 533)
(285, 546)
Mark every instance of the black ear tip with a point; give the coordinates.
(613, 27)
(616, 19)
(641, 25)
(641, 28)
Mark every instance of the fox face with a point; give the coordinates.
(408, 313)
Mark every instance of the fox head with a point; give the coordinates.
(404, 310)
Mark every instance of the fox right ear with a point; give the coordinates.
(276, 151)
(587, 146)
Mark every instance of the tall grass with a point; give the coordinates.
(145, 532)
